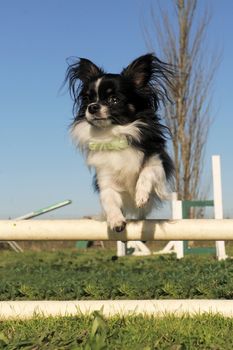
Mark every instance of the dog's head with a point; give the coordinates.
(106, 99)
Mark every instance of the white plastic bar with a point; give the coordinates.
(30, 309)
(218, 207)
(176, 247)
(86, 229)
(217, 187)
(121, 248)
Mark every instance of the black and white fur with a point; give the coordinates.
(108, 106)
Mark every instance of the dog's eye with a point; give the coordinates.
(113, 99)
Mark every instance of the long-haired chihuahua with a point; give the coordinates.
(116, 125)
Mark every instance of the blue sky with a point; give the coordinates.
(39, 165)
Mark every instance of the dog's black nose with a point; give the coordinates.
(93, 108)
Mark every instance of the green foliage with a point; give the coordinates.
(97, 339)
(94, 275)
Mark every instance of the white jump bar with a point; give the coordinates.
(30, 309)
(86, 229)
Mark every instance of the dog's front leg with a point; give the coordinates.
(111, 202)
(144, 187)
(152, 179)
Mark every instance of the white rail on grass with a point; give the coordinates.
(85, 229)
(30, 309)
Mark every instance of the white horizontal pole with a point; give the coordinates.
(85, 229)
(29, 309)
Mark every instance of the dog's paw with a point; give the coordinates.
(120, 226)
(117, 225)
(141, 198)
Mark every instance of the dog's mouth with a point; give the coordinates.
(99, 118)
(100, 121)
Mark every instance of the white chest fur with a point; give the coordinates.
(118, 169)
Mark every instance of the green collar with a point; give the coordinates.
(116, 144)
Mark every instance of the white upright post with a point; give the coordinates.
(121, 248)
(218, 208)
(177, 214)
(176, 247)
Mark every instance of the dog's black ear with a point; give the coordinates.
(148, 69)
(82, 71)
(140, 70)
(85, 70)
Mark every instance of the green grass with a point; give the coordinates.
(137, 333)
(94, 275)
